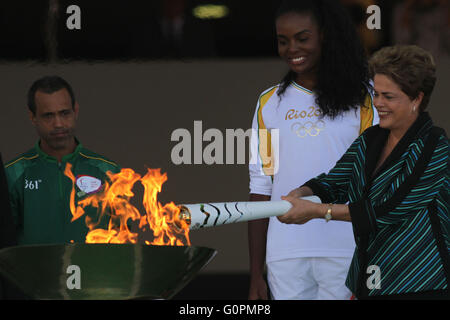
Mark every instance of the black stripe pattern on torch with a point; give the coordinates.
(229, 213)
(237, 209)
(218, 214)
(202, 209)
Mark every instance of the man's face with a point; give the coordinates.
(55, 119)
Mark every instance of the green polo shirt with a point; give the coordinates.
(40, 193)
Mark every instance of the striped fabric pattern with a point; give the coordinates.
(401, 241)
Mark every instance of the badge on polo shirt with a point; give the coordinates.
(88, 185)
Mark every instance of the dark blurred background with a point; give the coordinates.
(165, 29)
(142, 69)
(159, 29)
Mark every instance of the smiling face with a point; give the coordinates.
(299, 44)
(397, 111)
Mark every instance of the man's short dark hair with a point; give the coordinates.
(48, 84)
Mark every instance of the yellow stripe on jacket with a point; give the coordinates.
(265, 138)
(366, 114)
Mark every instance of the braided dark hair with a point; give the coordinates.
(343, 74)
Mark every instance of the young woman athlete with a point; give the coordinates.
(305, 124)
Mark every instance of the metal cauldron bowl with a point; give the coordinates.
(102, 271)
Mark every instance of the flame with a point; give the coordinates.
(113, 201)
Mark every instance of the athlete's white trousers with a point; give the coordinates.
(321, 278)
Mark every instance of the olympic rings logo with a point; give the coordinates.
(309, 128)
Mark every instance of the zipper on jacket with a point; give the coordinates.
(61, 197)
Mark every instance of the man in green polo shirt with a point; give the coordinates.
(39, 190)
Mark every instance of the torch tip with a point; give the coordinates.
(185, 214)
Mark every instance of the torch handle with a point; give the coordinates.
(203, 215)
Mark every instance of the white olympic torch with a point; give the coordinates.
(203, 215)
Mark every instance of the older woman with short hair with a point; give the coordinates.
(393, 185)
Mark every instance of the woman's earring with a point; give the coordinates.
(414, 108)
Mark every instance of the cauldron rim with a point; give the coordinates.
(126, 271)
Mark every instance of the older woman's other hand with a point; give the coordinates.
(296, 193)
(299, 192)
(301, 212)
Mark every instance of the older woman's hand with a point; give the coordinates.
(301, 212)
(296, 193)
